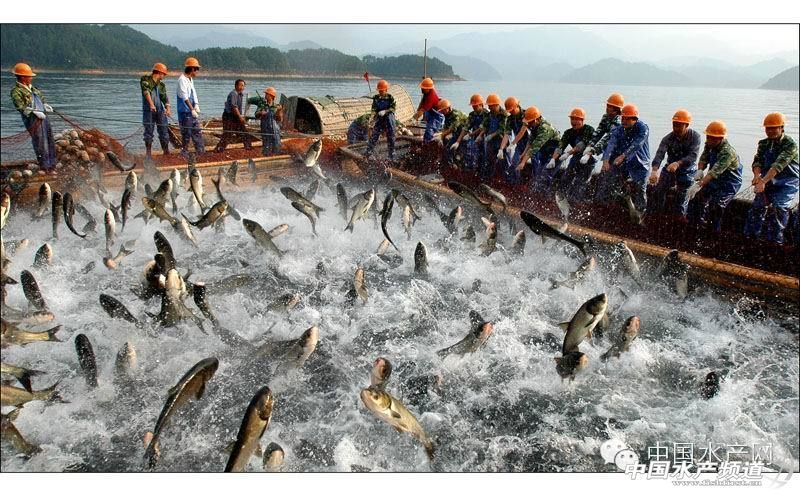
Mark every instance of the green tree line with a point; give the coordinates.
(114, 46)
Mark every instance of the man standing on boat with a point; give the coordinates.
(155, 109)
(271, 114)
(493, 129)
(427, 106)
(234, 126)
(610, 121)
(514, 123)
(681, 147)
(383, 108)
(627, 158)
(577, 138)
(541, 145)
(721, 182)
(454, 123)
(30, 103)
(471, 133)
(189, 108)
(776, 177)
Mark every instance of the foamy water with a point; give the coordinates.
(503, 408)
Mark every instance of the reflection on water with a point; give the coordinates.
(501, 409)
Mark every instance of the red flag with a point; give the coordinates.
(366, 76)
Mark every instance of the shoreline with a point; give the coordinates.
(221, 74)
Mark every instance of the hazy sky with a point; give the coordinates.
(749, 43)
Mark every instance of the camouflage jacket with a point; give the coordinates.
(577, 139)
(23, 97)
(261, 104)
(726, 159)
(455, 120)
(603, 132)
(786, 154)
(379, 102)
(475, 119)
(148, 84)
(541, 135)
(502, 126)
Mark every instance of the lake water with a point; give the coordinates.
(113, 103)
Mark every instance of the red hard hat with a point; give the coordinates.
(531, 114)
(630, 110)
(426, 83)
(159, 67)
(22, 69)
(476, 99)
(383, 85)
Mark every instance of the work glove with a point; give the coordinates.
(511, 148)
(39, 114)
(27, 111)
(48, 108)
(550, 164)
(195, 114)
(499, 154)
(479, 138)
(453, 146)
(197, 109)
(565, 156)
(586, 156)
(467, 138)
(382, 113)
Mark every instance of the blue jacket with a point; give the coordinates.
(634, 144)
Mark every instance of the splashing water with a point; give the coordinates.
(503, 408)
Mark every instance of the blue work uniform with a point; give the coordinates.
(779, 193)
(190, 126)
(708, 206)
(684, 150)
(633, 143)
(515, 125)
(385, 124)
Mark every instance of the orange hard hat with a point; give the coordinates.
(683, 116)
(716, 128)
(426, 83)
(22, 69)
(191, 62)
(578, 113)
(630, 110)
(511, 103)
(492, 99)
(271, 91)
(476, 99)
(774, 119)
(443, 103)
(531, 113)
(159, 67)
(383, 85)
(616, 100)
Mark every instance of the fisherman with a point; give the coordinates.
(577, 137)
(721, 182)
(471, 133)
(541, 145)
(681, 147)
(382, 112)
(454, 124)
(189, 108)
(270, 115)
(493, 129)
(155, 109)
(427, 106)
(610, 121)
(234, 126)
(516, 125)
(775, 181)
(626, 157)
(359, 129)
(30, 103)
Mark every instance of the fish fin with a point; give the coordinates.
(200, 391)
(258, 452)
(395, 414)
(51, 334)
(229, 448)
(564, 325)
(13, 415)
(430, 449)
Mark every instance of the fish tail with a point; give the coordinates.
(430, 449)
(349, 227)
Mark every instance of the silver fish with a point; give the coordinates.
(255, 422)
(583, 322)
(86, 359)
(45, 195)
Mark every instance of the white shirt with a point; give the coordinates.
(186, 88)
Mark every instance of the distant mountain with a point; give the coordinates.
(521, 53)
(83, 46)
(787, 80)
(219, 39)
(407, 66)
(470, 68)
(616, 71)
(735, 77)
(300, 45)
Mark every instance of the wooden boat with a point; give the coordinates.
(728, 260)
